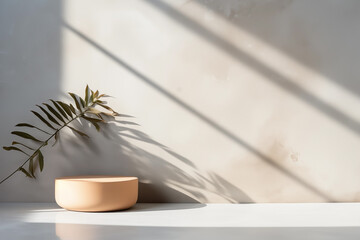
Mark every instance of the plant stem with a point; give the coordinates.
(46, 141)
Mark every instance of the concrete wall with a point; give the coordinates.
(236, 101)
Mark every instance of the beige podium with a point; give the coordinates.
(96, 193)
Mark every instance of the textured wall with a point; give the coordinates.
(236, 101)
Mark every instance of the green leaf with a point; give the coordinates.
(73, 95)
(96, 94)
(114, 114)
(106, 107)
(41, 160)
(96, 114)
(92, 119)
(66, 108)
(30, 126)
(103, 95)
(10, 148)
(43, 119)
(87, 95)
(51, 109)
(92, 96)
(49, 116)
(25, 135)
(58, 107)
(93, 110)
(25, 172)
(31, 168)
(96, 126)
(82, 102)
(79, 132)
(24, 125)
(72, 108)
(57, 135)
(15, 143)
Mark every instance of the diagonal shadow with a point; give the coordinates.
(152, 186)
(337, 76)
(199, 115)
(268, 73)
(161, 180)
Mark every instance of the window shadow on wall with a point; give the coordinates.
(269, 74)
(170, 177)
(324, 39)
(167, 181)
(222, 130)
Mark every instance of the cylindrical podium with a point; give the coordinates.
(96, 193)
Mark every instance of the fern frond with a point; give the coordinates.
(62, 115)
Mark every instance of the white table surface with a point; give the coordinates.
(183, 221)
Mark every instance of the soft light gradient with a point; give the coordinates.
(236, 101)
